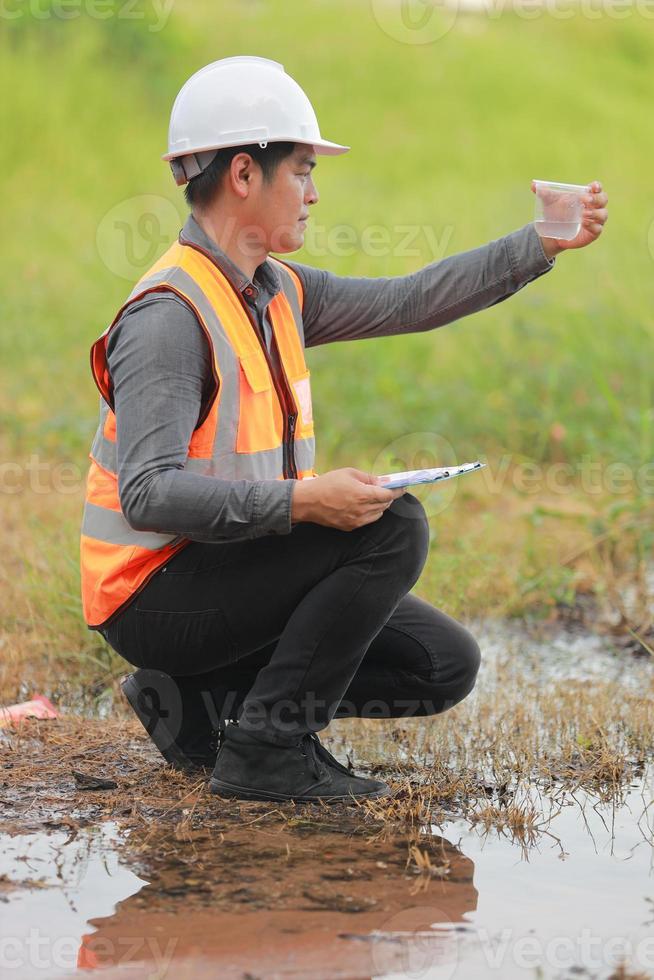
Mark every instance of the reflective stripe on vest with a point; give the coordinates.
(240, 435)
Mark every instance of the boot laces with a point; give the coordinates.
(320, 754)
(217, 739)
(218, 734)
(329, 759)
(311, 746)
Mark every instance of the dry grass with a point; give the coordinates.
(560, 550)
(44, 643)
(511, 753)
(623, 972)
(505, 758)
(522, 732)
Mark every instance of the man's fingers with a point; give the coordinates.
(600, 215)
(596, 200)
(371, 516)
(370, 511)
(378, 507)
(379, 495)
(371, 481)
(363, 477)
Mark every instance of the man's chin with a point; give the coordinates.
(288, 243)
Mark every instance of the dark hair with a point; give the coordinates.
(201, 189)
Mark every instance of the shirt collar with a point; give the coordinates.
(266, 278)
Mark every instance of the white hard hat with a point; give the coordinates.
(236, 102)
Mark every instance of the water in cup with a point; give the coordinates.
(558, 209)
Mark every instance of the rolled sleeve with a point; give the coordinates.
(527, 255)
(272, 505)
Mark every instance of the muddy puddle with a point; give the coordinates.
(331, 899)
(529, 878)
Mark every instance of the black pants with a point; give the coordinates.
(309, 626)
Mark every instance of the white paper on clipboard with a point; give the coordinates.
(411, 477)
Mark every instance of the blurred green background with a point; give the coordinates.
(445, 135)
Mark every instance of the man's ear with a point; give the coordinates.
(240, 174)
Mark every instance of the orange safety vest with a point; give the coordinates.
(255, 428)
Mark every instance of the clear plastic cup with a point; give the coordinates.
(558, 209)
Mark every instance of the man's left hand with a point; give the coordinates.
(593, 218)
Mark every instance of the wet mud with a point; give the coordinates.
(112, 862)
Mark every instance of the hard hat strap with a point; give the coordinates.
(189, 166)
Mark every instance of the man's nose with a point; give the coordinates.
(311, 195)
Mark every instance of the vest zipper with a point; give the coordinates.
(285, 398)
(292, 419)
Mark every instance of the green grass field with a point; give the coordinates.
(445, 137)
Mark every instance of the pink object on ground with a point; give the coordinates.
(38, 707)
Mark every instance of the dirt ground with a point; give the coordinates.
(310, 885)
(253, 890)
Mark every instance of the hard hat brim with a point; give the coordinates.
(328, 149)
(322, 147)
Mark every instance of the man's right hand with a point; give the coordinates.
(346, 499)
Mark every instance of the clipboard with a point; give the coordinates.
(409, 478)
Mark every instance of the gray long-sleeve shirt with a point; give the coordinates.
(159, 361)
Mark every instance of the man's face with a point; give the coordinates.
(280, 209)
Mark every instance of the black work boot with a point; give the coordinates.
(184, 717)
(248, 768)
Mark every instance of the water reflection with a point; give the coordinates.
(293, 900)
(329, 900)
(49, 885)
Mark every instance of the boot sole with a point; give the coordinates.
(230, 791)
(172, 754)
